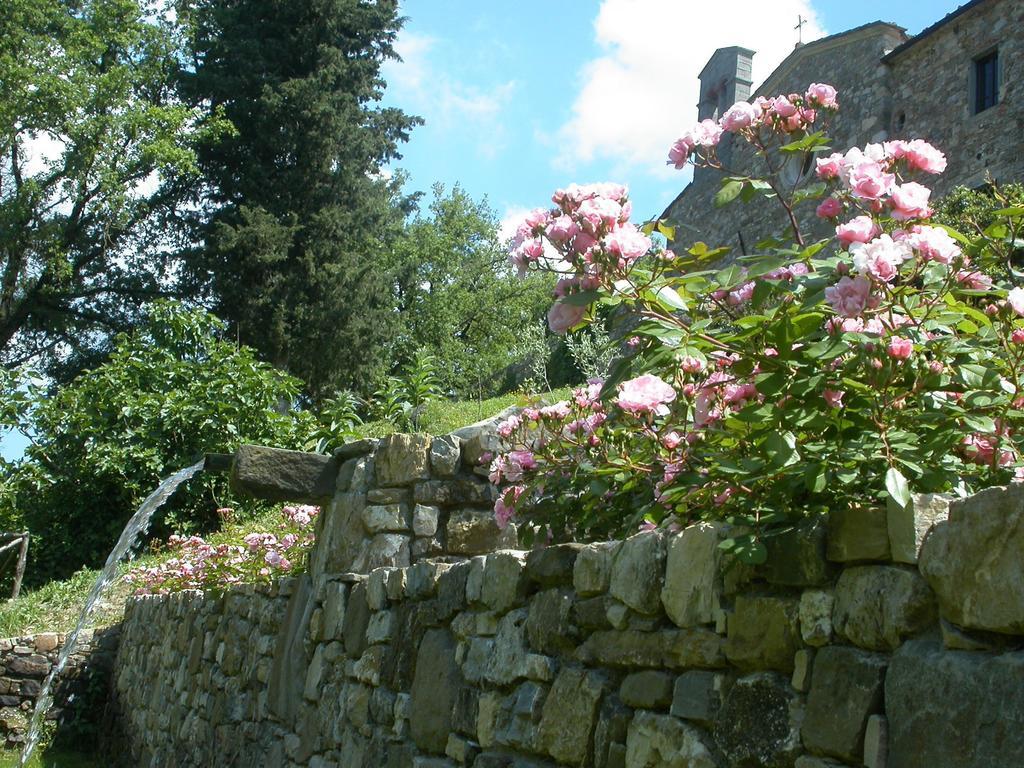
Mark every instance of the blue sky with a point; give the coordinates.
(522, 98)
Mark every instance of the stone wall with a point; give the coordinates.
(874, 638)
(26, 661)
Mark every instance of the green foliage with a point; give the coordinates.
(592, 351)
(532, 350)
(458, 297)
(298, 218)
(973, 211)
(402, 399)
(91, 132)
(338, 422)
(170, 392)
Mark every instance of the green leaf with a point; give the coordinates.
(781, 447)
(730, 190)
(897, 487)
(581, 299)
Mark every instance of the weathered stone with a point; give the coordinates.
(811, 761)
(455, 492)
(388, 496)
(672, 649)
(380, 518)
(797, 558)
(421, 579)
(33, 665)
(592, 570)
(445, 453)
(402, 459)
(569, 715)
(549, 624)
(908, 526)
(858, 533)
(355, 448)
(475, 532)
(877, 606)
(846, 689)
(954, 709)
(45, 642)
(638, 571)
(380, 627)
(693, 583)
(876, 742)
(552, 566)
(592, 613)
(521, 714)
(755, 726)
(488, 712)
(697, 695)
(357, 618)
(504, 583)
(802, 664)
(435, 687)
(461, 749)
(610, 733)
(424, 519)
(506, 662)
(388, 550)
(662, 741)
(647, 690)
(478, 441)
(816, 606)
(279, 475)
(764, 633)
(341, 538)
(973, 561)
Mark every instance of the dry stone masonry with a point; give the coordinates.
(421, 638)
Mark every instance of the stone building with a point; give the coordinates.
(958, 84)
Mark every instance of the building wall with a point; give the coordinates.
(653, 652)
(931, 84)
(920, 92)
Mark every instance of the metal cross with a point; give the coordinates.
(800, 21)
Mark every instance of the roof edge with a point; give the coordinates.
(927, 31)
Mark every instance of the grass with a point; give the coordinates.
(50, 758)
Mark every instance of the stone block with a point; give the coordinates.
(908, 526)
(355, 448)
(876, 742)
(45, 642)
(445, 454)
(460, 491)
(858, 533)
(435, 687)
(954, 709)
(816, 606)
(384, 518)
(504, 581)
(424, 519)
(697, 695)
(670, 649)
(275, 474)
(803, 662)
(973, 561)
(878, 606)
(475, 532)
(570, 713)
(592, 570)
(846, 689)
(638, 569)
(507, 660)
(388, 496)
(764, 633)
(693, 583)
(388, 550)
(421, 580)
(649, 689)
(549, 624)
(402, 459)
(654, 741)
(552, 566)
(461, 750)
(758, 723)
(798, 558)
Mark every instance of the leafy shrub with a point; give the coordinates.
(808, 376)
(170, 392)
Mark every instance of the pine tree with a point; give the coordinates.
(297, 218)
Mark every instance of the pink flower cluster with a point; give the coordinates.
(199, 565)
(788, 113)
(590, 230)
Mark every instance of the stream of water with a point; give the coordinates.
(137, 526)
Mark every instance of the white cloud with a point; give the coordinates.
(424, 88)
(642, 93)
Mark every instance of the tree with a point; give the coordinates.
(171, 391)
(89, 126)
(298, 215)
(458, 296)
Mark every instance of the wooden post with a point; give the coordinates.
(19, 571)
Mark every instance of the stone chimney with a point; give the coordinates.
(725, 79)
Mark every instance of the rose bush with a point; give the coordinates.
(846, 371)
(256, 558)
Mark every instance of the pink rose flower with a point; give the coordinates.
(934, 244)
(739, 116)
(910, 201)
(849, 297)
(900, 348)
(645, 394)
(1017, 337)
(561, 229)
(922, 156)
(829, 208)
(859, 230)
(834, 397)
(1015, 298)
(505, 506)
(671, 439)
(822, 94)
(831, 166)
(691, 364)
(680, 152)
(707, 133)
(783, 107)
(974, 280)
(627, 243)
(563, 316)
(868, 180)
(881, 258)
